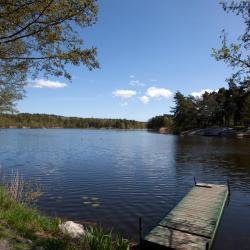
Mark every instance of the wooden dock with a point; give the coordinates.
(193, 223)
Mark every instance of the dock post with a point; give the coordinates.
(194, 181)
(140, 233)
(229, 192)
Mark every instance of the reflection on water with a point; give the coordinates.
(112, 177)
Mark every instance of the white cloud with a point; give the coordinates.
(42, 83)
(123, 104)
(153, 80)
(158, 92)
(124, 93)
(131, 76)
(136, 83)
(199, 94)
(144, 99)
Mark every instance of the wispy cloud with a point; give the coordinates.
(124, 93)
(153, 80)
(123, 104)
(132, 76)
(43, 83)
(158, 92)
(144, 99)
(136, 83)
(200, 93)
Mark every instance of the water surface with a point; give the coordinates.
(112, 177)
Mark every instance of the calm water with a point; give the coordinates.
(112, 177)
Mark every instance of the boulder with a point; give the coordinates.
(74, 230)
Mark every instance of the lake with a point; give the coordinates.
(112, 177)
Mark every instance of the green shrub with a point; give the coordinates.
(96, 239)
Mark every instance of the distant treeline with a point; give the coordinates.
(54, 121)
(225, 108)
(160, 121)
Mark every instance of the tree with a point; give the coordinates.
(246, 111)
(227, 107)
(185, 112)
(206, 109)
(40, 37)
(236, 54)
(157, 122)
(51, 121)
(9, 93)
(221, 100)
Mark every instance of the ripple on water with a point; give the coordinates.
(132, 173)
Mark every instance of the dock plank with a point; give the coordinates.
(174, 239)
(193, 223)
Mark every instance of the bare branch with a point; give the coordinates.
(28, 58)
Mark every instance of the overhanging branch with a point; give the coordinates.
(29, 24)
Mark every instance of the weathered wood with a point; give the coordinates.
(193, 223)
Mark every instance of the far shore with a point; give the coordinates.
(104, 128)
(211, 131)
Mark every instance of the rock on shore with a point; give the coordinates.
(219, 131)
(74, 230)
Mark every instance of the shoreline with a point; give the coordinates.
(209, 131)
(13, 127)
(218, 132)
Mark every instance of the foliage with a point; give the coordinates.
(53, 121)
(56, 243)
(157, 122)
(23, 221)
(236, 54)
(12, 239)
(11, 90)
(97, 238)
(184, 112)
(40, 37)
(15, 186)
(227, 107)
(23, 191)
(245, 112)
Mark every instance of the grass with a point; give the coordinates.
(97, 237)
(23, 227)
(25, 219)
(10, 239)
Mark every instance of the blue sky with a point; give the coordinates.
(147, 50)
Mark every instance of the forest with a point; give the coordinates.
(25, 120)
(227, 107)
(160, 121)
